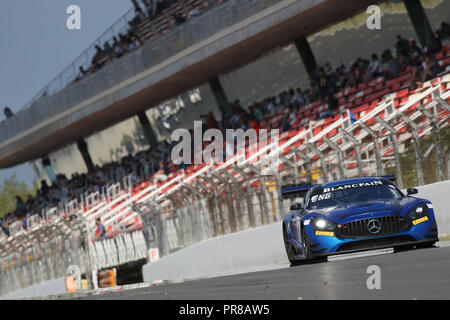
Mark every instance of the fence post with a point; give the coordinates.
(236, 189)
(196, 215)
(250, 211)
(206, 214)
(91, 257)
(160, 227)
(292, 165)
(376, 147)
(267, 215)
(323, 163)
(356, 145)
(340, 154)
(263, 199)
(416, 145)
(221, 223)
(306, 163)
(231, 213)
(143, 217)
(393, 134)
(212, 208)
(437, 140)
(279, 196)
(443, 103)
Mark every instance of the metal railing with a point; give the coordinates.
(167, 45)
(54, 100)
(218, 200)
(230, 198)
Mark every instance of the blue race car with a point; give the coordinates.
(353, 215)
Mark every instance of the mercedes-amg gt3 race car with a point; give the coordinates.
(355, 215)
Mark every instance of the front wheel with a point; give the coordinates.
(307, 250)
(291, 251)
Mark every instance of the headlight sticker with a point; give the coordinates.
(306, 222)
(325, 233)
(419, 221)
(429, 205)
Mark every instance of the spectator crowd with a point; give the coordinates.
(154, 164)
(326, 83)
(130, 41)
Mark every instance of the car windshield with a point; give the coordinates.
(350, 193)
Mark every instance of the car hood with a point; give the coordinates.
(340, 212)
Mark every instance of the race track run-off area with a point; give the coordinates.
(415, 274)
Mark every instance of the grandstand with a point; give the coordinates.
(200, 201)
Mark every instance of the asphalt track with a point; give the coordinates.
(415, 274)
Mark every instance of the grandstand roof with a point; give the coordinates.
(71, 114)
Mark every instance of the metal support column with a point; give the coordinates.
(340, 154)
(356, 145)
(443, 103)
(265, 214)
(201, 181)
(306, 163)
(219, 93)
(307, 56)
(237, 199)
(376, 147)
(232, 223)
(413, 127)
(323, 163)
(292, 165)
(147, 128)
(83, 148)
(250, 211)
(393, 134)
(437, 141)
(220, 222)
(420, 22)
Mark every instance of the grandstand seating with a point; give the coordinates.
(361, 101)
(114, 204)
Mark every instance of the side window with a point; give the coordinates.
(306, 199)
(394, 191)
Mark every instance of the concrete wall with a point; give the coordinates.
(44, 289)
(253, 249)
(438, 194)
(218, 256)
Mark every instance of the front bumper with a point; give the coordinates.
(326, 243)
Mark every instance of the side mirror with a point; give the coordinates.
(411, 191)
(296, 206)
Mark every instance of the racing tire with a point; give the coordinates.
(307, 250)
(306, 247)
(290, 249)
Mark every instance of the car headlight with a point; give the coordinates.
(323, 224)
(418, 212)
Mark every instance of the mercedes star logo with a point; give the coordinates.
(374, 226)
